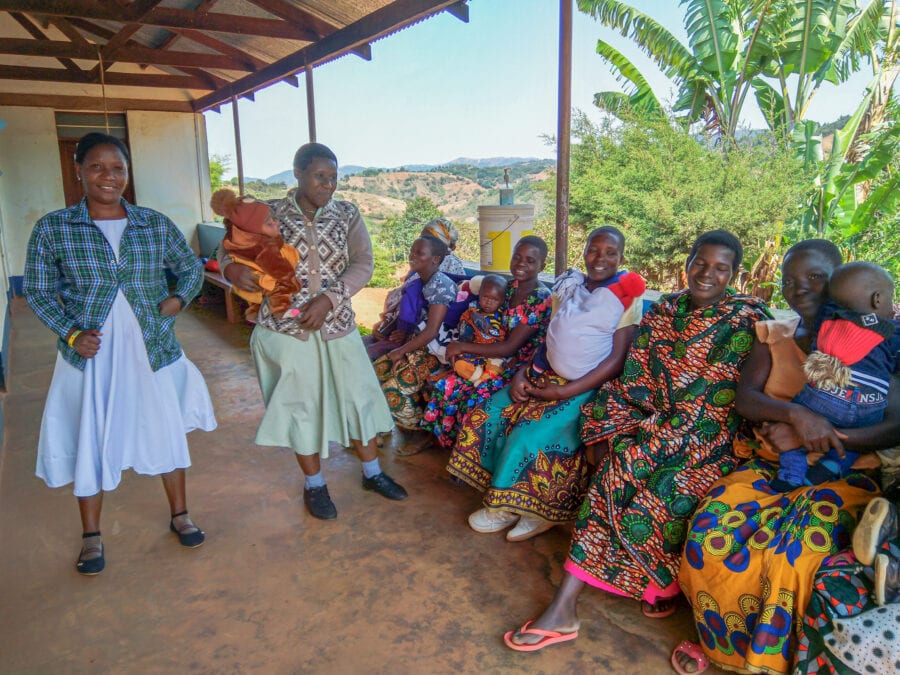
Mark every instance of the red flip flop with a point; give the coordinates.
(667, 608)
(692, 651)
(548, 637)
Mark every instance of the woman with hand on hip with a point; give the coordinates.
(123, 394)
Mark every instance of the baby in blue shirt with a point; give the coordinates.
(856, 352)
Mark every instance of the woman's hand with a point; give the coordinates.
(783, 437)
(455, 349)
(243, 277)
(398, 336)
(170, 306)
(396, 355)
(87, 344)
(546, 391)
(517, 388)
(313, 313)
(816, 434)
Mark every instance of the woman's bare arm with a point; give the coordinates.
(815, 433)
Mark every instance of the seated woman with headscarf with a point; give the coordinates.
(403, 305)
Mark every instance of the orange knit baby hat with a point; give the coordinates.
(245, 213)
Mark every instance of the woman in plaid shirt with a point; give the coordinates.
(123, 394)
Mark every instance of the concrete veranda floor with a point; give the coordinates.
(386, 588)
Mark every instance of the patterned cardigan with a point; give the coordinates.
(335, 261)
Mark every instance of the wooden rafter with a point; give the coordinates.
(235, 46)
(167, 17)
(67, 29)
(123, 79)
(63, 102)
(250, 62)
(40, 37)
(131, 54)
(296, 16)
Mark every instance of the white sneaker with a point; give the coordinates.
(485, 520)
(528, 527)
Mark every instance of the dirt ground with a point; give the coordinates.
(368, 304)
(387, 587)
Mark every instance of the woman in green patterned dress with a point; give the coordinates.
(666, 426)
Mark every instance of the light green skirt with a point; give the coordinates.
(316, 391)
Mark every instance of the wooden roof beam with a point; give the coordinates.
(167, 18)
(250, 62)
(59, 49)
(40, 37)
(381, 22)
(460, 10)
(296, 16)
(67, 29)
(61, 102)
(121, 79)
(363, 51)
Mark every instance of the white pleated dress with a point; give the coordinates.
(118, 414)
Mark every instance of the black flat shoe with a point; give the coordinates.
(385, 486)
(318, 503)
(189, 534)
(90, 566)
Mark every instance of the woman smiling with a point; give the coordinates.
(667, 423)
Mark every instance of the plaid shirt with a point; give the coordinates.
(72, 276)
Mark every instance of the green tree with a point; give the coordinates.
(398, 233)
(780, 50)
(663, 186)
(218, 165)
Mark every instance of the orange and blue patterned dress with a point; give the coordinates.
(752, 552)
(669, 420)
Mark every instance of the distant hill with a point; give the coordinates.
(287, 177)
(495, 161)
(457, 190)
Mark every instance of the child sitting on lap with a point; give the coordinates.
(253, 238)
(483, 325)
(849, 372)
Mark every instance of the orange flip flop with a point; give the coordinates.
(548, 637)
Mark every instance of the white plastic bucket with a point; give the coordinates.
(500, 228)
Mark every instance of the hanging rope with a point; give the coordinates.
(103, 89)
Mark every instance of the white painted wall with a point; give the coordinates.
(4, 288)
(169, 166)
(31, 184)
(169, 169)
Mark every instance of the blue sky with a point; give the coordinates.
(444, 89)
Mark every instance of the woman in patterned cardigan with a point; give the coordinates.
(315, 376)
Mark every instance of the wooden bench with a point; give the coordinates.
(232, 312)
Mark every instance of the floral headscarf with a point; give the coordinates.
(443, 229)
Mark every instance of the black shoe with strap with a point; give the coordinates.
(385, 486)
(318, 503)
(189, 534)
(94, 564)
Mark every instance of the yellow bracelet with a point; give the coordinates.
(71, 340)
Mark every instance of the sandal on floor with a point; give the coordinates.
(664, 607)
(189, 534)
(548, 637)
(694, 652)
(90, 566)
